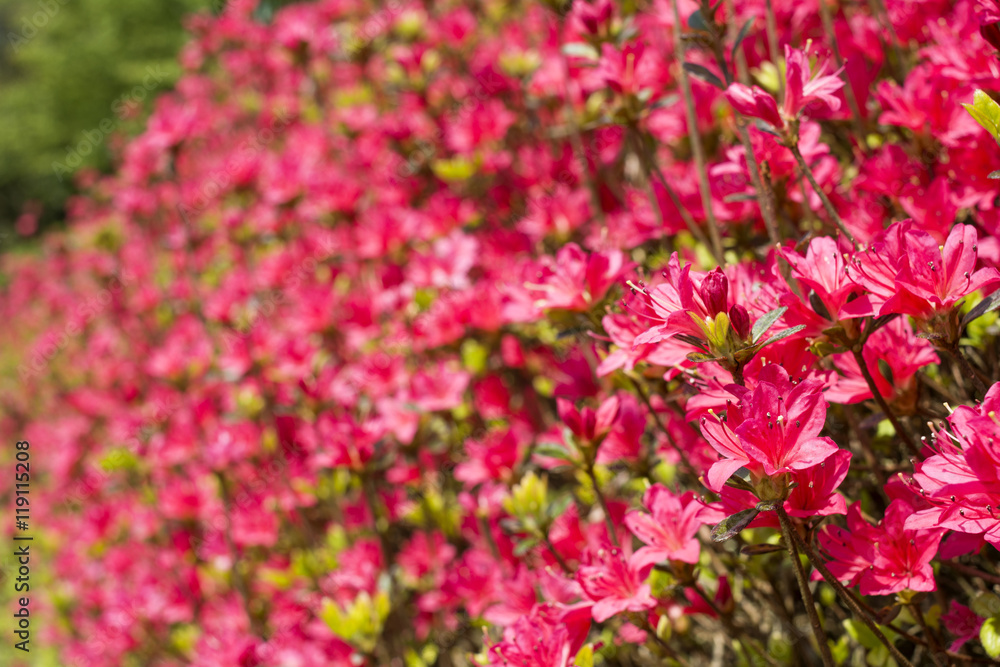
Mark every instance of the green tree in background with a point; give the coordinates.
(67, 72)
(74, 74)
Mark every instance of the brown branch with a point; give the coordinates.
(800, 578)
(696, 146)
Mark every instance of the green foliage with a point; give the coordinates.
(989, 635)
(75, 73)
(66, 66)
(986, 112)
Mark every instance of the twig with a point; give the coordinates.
(555, 554)
(659, 423)
(695, 136)
(932, 642)
(238, 580)
(971, 571)
(800, 577)
(852, 101)
(772, 45)
(846, 596)
(967, 368)
(678, 204)
(604, 504)
(735, 631)
(886, 410)
(827, 204)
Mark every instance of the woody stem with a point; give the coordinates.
(846, 596)
(800, 576)
(555, 554)
(967, 368)
(604, 505)
(735, 631)
(859, 357)
(696, 146)
(827, 204)
(932, 642)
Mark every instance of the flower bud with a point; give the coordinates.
(715, 292)
(740, 319)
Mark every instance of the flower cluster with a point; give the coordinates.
(553, 333)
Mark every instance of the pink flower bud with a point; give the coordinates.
(715, 292)
(755, 103)
(740, 319)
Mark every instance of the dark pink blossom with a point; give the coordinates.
(770, 430)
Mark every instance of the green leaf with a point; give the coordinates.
(559, 506)
(781, 335)
(475, 356)
(696, 22)
(767, 128)
(554, 451)
(524, 546)
(861, 634)
(581, 50)
(732, 525)
(704, 74)
(741, 36)
(988, 304)
(764, 322)
(760, 549)
(818, 306)
(986, 112)
(986, 604)
(700, 358)
(692, 340)
(989, 635)
(886, 370)
(454, 170)
(841, 650)
(585, 657)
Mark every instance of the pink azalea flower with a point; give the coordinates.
(623, 441)
(615, 581)
(771, 430)
(542, 638)
(623, 330)
(898, 347)
(802, 87)
(669, 529)
(631, 69)
(961, 482)
(963, 623)
(723, 600)
(823, 271)
(815, 490)
(886, 558)
(492, 458)
(904, 270)
(588, 425)
(574, 280)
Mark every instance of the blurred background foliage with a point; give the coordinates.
(70, 69)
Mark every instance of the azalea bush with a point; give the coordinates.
(539, 333)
